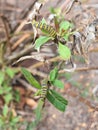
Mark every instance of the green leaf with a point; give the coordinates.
(11, 72)
(37, 93)
(43, 21)
(58, 83)
(14, 120)
(30, 78)
(57, 100)
(16, 96)
(2, 75)
(5, 110)
(1, 91)
(39, 110)
(53, 74)
(5, 89)
(66, 36)
(40, 41)
(8, 97)
(56, 11)
(65, 25)
(64, 51)
(1, 122)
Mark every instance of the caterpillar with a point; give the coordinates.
(44, 90)
(42, 26)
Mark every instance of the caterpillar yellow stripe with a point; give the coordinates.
(44, 90)
(42, 26)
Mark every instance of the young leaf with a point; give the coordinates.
(15, 120)
(57, 100)
(16, 95)
(64, 51)
(30, 78)
(8, 97)
(43, 21)
(65, 25)
(66, 36)
(1, 121)
(58, 83)
(53, 74)
(5, 110)
(39, 110)
(5, 89)
(40, 41)
(11, 72)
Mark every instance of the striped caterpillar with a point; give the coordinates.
(44, 90)
(42, 26)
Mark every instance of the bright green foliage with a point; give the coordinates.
(56, 11)
(16, 95)
(53, 74)
(38, 113)
(41, 41)
(66, 36)
(58, 83)
(57, 100)
(39, 110)
(64, 30)
(14, 120)
(5, 89)
(53, 78)
(5, 110)
(30, 78)
(11, 72)
(65, 25)
(43, 21)
(8, 97)
(7, 121)
(64, 51)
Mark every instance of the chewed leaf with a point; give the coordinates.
(41, 41)
(64, 51)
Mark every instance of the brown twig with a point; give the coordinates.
(24, 13)
(81, 69)
(15, 56)
(47, 61)
(7, 27)
(25, 36)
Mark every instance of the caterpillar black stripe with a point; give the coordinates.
(43, 92)
(42, 26)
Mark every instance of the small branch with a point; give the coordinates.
(5, 22)
(15, 56)
(25, 36)
(81, 69)
(47, 62)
